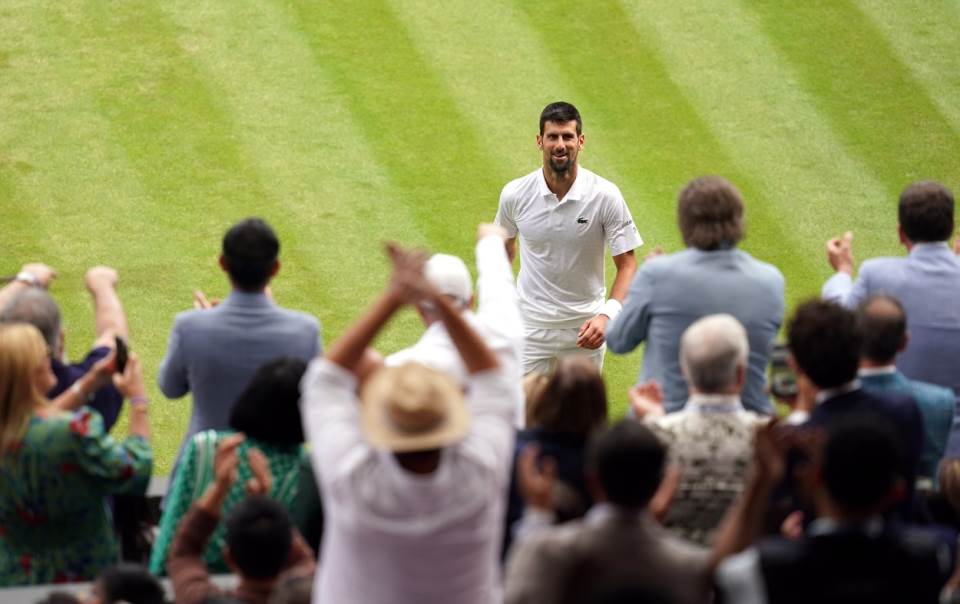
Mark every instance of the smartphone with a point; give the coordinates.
(122, 353)
(783, 381)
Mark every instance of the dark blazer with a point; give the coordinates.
(851, 566)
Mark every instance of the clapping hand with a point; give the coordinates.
(407, 282)
(646, 399)
(536, 478)
(840, 253)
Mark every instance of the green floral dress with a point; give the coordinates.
(54, 522)
(196, 473)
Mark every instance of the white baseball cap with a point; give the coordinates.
(450, 276)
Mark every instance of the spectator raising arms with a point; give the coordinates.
(56, 467)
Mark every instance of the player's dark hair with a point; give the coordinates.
(560, 113)
(250, 249)
(883, 326)
(627, 460)
(574, 399)
(825, 340)
(862, 460)
(127, 582)
(268, 409)
(258, 535)
(710, 213)
(926, 212)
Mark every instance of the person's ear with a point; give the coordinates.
(905, 342)
(595, 488)
(228, 559)
(540, 141)
(223, 263)
(580, 141)
(741, 376)
(275, 269)
(903, 237)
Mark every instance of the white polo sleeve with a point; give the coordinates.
(505, 212)
(619, 229)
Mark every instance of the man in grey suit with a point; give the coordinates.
(711, 276)
(926, 282)
(213, 352)
(619, 547)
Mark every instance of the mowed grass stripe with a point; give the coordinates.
(436, 164)
(323, 191)
(870, 97)
(923, 34)
(761, 115)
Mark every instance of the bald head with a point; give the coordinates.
(713, 354)
(883, 323)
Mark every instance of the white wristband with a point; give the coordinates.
(28, 278)
(611, 308)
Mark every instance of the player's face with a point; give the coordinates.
(560, 144)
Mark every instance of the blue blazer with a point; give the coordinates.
(214, 353)
(671, 292)
(927, 283)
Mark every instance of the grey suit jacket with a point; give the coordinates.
(927, 283)
(611, 548)
(671, 292)
(214, 353)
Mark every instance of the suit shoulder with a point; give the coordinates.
(932, 392)
(880, 263)
(298, 316)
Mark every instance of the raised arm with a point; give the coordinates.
(111, 320)
(475, 353)
(33, 274)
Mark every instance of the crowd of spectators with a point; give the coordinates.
(440, 473)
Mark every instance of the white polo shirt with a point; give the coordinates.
(561, 282)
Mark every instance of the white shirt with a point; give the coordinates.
(391, 536)
(561, 280)
(497, 320)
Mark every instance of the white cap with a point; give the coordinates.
(450, 276)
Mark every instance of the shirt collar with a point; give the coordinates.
(247, 299)
(871, 371)
(830, 393)
(714, 403)
(872, 526)
(932, 248)
(573, 194)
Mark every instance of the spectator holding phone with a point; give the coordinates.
(25, 299)
(56, 467)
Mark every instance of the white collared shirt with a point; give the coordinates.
(871, 371)
(830, 393)
(562, 242)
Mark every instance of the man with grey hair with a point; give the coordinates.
(26, 300)
(711, 440)
(711, 276)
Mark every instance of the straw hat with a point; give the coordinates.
(412, 408)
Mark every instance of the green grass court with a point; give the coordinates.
(134, 133)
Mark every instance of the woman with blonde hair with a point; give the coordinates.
(56, 467)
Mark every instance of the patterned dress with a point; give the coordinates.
(196, 473)
(54, 522)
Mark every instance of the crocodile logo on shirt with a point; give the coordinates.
(581, 220)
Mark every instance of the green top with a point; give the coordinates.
(195, 473)
(54, 522)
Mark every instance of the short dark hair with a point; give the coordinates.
(132, 583)
(710, 213)
(926, 212)
(268, 409)
(627, 459)
(824, 339)
(883, 326)
(250, 250)
(862, 460)
(574, 399)
(560, 113)
(259, 537)
(36, 307)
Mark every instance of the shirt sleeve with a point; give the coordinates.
(172, 377)
(629, 329)
(505, 217)
(331, 416)
(493, 403)
(619, 229)
(498, 305)
(188, 573)
(740, 580)
(121, 468)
